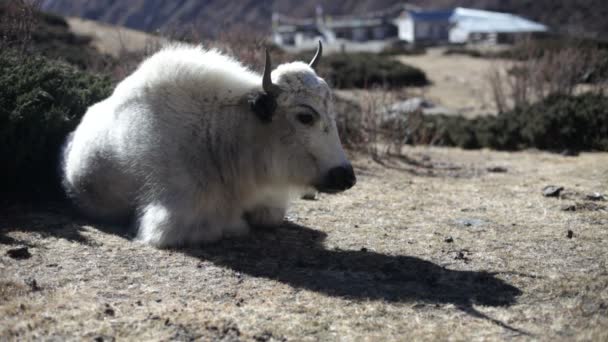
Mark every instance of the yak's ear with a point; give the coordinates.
(264, 106)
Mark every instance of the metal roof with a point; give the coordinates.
(474, 20)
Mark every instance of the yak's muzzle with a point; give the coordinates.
(338, 179)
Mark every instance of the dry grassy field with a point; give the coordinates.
(459, 82)
(441, 244)
(114, 40)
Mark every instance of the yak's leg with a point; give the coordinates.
(236, 227)
(269, 209)
(163, 226)
(265, 216)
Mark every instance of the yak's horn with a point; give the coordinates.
(269, 87)
(315, 60)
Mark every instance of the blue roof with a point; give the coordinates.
(442, 15)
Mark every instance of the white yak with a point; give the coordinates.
(193, 146)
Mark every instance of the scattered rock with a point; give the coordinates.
(497, 169)
(19, 253)
(363, 249)
(552, 190)
(33, 284)
(462, 255)
(569, 153)
(590, 206)
(470, 222)
(596, 196)
(267, 336)
(310, 196)
(109, 311)
(583, 206)
(449, 239)
(570, 234)
(568, 207)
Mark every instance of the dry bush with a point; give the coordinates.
(541, 74)
(378, 133)
(17, 21)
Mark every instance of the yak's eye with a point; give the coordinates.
(306, 119)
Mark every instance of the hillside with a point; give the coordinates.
(212, 17)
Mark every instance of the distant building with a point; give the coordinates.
(473, 25)
(424, 27)
(402, 23)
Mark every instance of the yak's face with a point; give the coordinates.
(305, 126)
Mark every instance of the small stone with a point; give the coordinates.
(552, 190)
(467, 222)
(569, 153)
(460, 256)
(33, 284)
(363, 249)
(19, 253)
(311, 196)
(109, 312)
(596, 196)
(568, 207)
(449, 239)
(570, 234)
(497, 169)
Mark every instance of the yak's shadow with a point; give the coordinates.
(295, 255)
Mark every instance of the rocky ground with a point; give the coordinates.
(437, 244)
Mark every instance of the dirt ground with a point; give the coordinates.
(441, 244)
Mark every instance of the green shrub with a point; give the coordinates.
(558, 123)
(365, 70)
(41, 101)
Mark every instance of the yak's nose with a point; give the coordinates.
(340, 178)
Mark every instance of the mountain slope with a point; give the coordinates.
(212, 17)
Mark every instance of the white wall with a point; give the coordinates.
(405, 26)
(459, 35)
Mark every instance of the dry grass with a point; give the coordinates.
(459, 82)
(374, 263)
(114, 40)
(561, 72)
(17, 23)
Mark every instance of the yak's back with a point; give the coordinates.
(190, 70)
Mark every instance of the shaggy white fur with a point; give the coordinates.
(178, 148)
